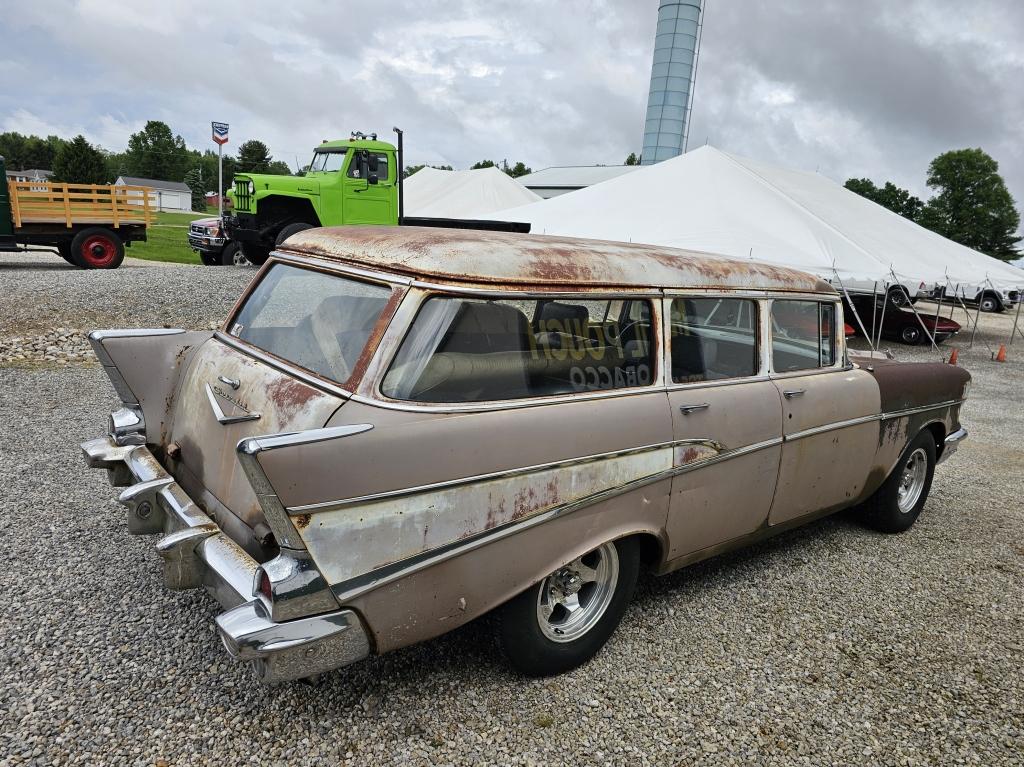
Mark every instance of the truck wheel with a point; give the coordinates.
(255, 254)
(989, 303)
(209, 259)
(898, 297)
(564, 620)
(910, 335)
(232, 255)
(896, 505)
(289, 230)
(64, 249)
(97, 248)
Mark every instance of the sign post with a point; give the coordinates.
(220, 138)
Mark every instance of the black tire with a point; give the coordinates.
(254, 253)
(990, 303)
(527, 645)
(883, 510)
(64, 249)
(232, 255)
(911, 335)
(289, 230)
(209, 259)
(96, 247)
(898, 297)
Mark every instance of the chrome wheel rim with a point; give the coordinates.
(239, 258)
(573, 598)
(912, 480)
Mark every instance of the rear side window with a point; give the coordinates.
(713, 339)
(803, 335)
(469, 350)
(318, 321)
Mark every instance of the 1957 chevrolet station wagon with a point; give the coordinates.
(399, 430)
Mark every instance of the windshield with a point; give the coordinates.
(318, 321)
(327, 161)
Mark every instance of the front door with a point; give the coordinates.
(726, 418)
(367, 203)
(828, 410)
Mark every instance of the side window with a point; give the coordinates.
(382, 166)
(713, 338)
(803, 335)
(471, 350)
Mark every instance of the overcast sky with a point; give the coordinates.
(870, 88)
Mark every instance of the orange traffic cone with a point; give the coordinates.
(954, 356)
(1001, 354)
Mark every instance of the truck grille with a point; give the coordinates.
(242, 195)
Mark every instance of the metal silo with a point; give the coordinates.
(675, 55)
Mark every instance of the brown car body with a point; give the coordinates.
(335, 521)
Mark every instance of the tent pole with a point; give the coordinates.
(1016, 318)
(938, 308)
(874, 315)
(914, 309)
(854, 308)
(974, 332)
(881, 322)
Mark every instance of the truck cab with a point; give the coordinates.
(352, 181)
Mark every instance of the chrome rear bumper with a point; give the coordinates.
(197, 553)
(952, 442)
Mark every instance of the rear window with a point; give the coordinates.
(713, 339)
(318, 321)
(469, 350)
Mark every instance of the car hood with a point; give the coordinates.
(264, 182)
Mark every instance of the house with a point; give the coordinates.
(551, 182)
(165, 195)
(29, 174)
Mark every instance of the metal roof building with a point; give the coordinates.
(551, 182)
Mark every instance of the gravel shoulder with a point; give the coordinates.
(830, 645)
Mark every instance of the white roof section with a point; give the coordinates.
(463, 193)
(574, 176)
(714, 201)
(170, 186)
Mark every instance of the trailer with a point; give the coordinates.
(89, 225)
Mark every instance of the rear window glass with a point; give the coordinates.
(713, 339)
(469, 350)
(803, 335)
(318, 321)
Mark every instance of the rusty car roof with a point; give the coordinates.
(475, 256)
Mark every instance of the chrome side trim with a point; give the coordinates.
(220, 415)
(353, 587)
(281, 365)
(504, 474)
(867, 419)
(920, 409)
(248, 451)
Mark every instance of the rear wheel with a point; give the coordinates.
(911, 335)
(232, 255)
(97, 248)
(896, 505)
(255, 254)
(898, 297)
(564, 620)
(989, 303)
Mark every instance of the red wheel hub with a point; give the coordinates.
(99, 251)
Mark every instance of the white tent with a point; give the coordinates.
(714, 201)
(463, 193)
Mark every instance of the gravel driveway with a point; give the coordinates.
(828, 645)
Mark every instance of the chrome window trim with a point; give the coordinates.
(354, 587)
(839, 363)
(422, 292)
(537, 291)
(760, 377)
(759, 299)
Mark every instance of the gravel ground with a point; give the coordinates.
(828, 645)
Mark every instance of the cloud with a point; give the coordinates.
(871, 88)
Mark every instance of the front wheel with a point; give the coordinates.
(232, 255)
(564, 620)
(990, 304)
(910, 335)
(896, 505)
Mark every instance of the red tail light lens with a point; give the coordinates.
(263, 585)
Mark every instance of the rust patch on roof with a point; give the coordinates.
(504, 258)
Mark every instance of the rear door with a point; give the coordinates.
(726, 417)
(829, 410)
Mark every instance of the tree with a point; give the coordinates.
(279, 168)
(973, 205)
(410, 169)
(23, 152)
(482, 164)
(155, 152)
(254, 157)
(517, 170)
(79, 162)
(194, 181)
(889, 196)
(632, 159)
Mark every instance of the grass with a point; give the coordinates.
(167, 239)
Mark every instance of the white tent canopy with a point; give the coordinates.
(463, 193)
(714, 201)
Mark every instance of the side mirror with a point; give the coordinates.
(363, 159)
(371, 163)
(372, 178)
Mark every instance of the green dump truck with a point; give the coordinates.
(353, 181)
(87, 224)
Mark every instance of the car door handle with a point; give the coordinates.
(790, 393)
(687, 409)
(234, 383)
